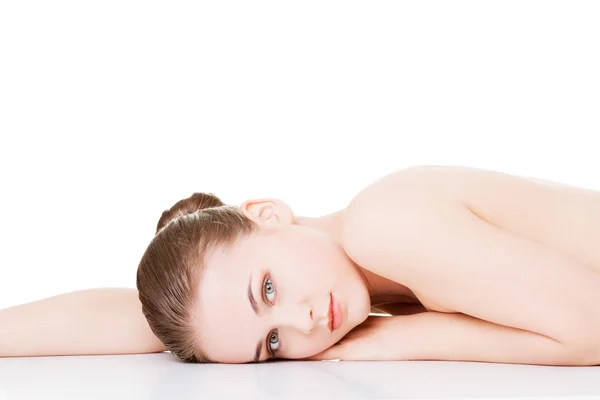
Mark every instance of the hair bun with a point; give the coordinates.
(197, 201)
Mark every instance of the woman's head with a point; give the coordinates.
(226, 283)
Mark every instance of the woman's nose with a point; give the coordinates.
(299, 316)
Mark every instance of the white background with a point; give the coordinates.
(112, 111)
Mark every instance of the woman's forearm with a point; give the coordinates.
(86, 322)
(460, 337)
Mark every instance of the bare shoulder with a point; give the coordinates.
(554, 214)
(410, 207)
(398, 199)
(414, 183)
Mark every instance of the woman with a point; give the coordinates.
(467, 264)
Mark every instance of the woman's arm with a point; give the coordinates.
(87, 322)
(461, 337)
(450, 337)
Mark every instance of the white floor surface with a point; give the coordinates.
(161, 376)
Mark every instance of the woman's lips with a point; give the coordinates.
(330, 314)
(336, 314)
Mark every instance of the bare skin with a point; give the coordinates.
(519, 254)
(561, 217)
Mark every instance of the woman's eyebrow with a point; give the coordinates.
(251, 298)
(258, 351)
(254, 305)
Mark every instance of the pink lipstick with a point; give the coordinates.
(336, 314)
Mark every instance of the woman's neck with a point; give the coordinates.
(329, 224)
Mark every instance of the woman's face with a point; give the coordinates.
(270, 294)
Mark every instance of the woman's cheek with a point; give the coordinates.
(307, 348)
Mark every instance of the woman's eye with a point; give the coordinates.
(269, 290)
(274, 340)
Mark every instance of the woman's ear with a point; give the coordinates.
(268, 213)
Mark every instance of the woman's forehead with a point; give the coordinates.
(226, 322)
(239, 256)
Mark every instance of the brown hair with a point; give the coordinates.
(170, 269)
